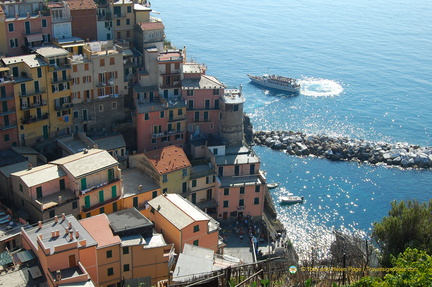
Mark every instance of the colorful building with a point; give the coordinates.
(8, 115)
(66, 251)
(84, 19)
(182, 222)
(169, 167)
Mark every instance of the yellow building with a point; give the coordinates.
(169, 167)
(123, 19)
(96, 177)
(31, 97)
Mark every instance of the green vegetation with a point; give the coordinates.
(409, 224)
(412, 268)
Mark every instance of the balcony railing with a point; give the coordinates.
(100, 185)
(10, 125)
(7, 112)
(63, 106)
(61, 80)
(33, 119)
(108, 83)
(32, 31)
(7, 97)
(100, 204)
(33, 106)
(30, 94)
(166, 133)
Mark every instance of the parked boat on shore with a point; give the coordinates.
(276, 82)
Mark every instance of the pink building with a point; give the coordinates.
(24, 27)
(202, 94)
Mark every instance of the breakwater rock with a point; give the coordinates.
(344, 149)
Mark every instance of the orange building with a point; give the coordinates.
(128, 249)
(182, 222)
(66, 251)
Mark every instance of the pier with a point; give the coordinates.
(402, 155)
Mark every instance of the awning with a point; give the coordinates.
(5, 258)
(34, 38)
(25, 256)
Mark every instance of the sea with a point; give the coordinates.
(365, 68)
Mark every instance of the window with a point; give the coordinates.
(13, 43)
(39, 192)
(20, 188)
(146, 116)
(102, 62)
(207, 104)
(220, 171)
(215, 91)
(135, 201)
(88, 214)
(101, 196)
(189, 92)
(162, 114)
(44, 23)
(129, 9)
(112, 61)
(126, 268)
(110, 271)
(197, 116)
(125, 250)
(113, 191)
(118, 22)
(179, 112)
(217, 104)
(225, 203)
(215, 151)
(128, 22)
(206, 117)
(101, 108)
(237, 170)
(256, 200)
(236, 108)
(226, 191)
(185, 172)
(86, 67)
(109, 254)
(194, 183)
(76, 114)
(257, 188)
(102, 210)
(52, 213)
(241, 202)
(62, 184)
(39, 72)
(242, 190)
(114, 207)
(184, 187)
(154, 194)
(87, 201)
(196, 228)
(164, 178)
(74, 204)
(114, 105)
(6, 138)
(11, 27)
(195, 242)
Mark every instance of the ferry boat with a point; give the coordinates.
(291, 199)
(276, 82)
(272, 185)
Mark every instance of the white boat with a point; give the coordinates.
(276, 82)
(291, 199)
(272, 185)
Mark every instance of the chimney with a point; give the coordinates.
(66, 231)
(29, 166)
(16, 16)
(56, 219)
(39, 224)
(28, 14)
(60, 199)
(58, 275)
(71, 235)
(70, 225)
(53, 234)
(63, 216)
(140, 187)
(76, 234)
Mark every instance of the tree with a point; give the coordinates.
(411, 268)
(409, 224)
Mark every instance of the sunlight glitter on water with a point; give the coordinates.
(315, 87)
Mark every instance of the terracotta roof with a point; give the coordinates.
(151, 25)
(81, 4)
(98, 227)
(55, 4)
(168, 159)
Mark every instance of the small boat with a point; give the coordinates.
(272, 185)
(291, 199)
(276, 82)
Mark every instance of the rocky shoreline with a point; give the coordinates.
(402, 155)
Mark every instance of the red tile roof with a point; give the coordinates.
(98, 227)
(81, 4)
(168, 159)
(151, 25)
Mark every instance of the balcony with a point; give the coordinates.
(5, 79)
(33, 119)
(61, 80)
(100, 204)
(7, 97)
(55, 67)
(31, 94)
(33, 106)
(177, 118)
(166, 133)
(56, 20)
(7, 112)
(173, 72)
(32, 32)
(108, 83)
(8, 126)
(99, 186)
(63, 106)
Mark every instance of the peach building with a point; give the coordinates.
(127, 248)
(66, 251)
(182, 222)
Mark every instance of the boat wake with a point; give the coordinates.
(315, 87)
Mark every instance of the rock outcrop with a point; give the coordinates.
(344, 149)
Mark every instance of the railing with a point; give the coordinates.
(32, 31)
(64, 106)
(34, 105)
(33, 119)
(166, 133)
(30, 94)
(61, 80)
(105, 83)
(8, 97)
(7, 112)
(10, 125)
(100, 204)
(100, 185)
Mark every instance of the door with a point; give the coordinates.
(62, 184)
(84, 114)
(39, 113)
(36, 86)
(27, 27)
(225, 216)
(45, 132)
(72, 262)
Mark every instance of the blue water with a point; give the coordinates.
(365, 69)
